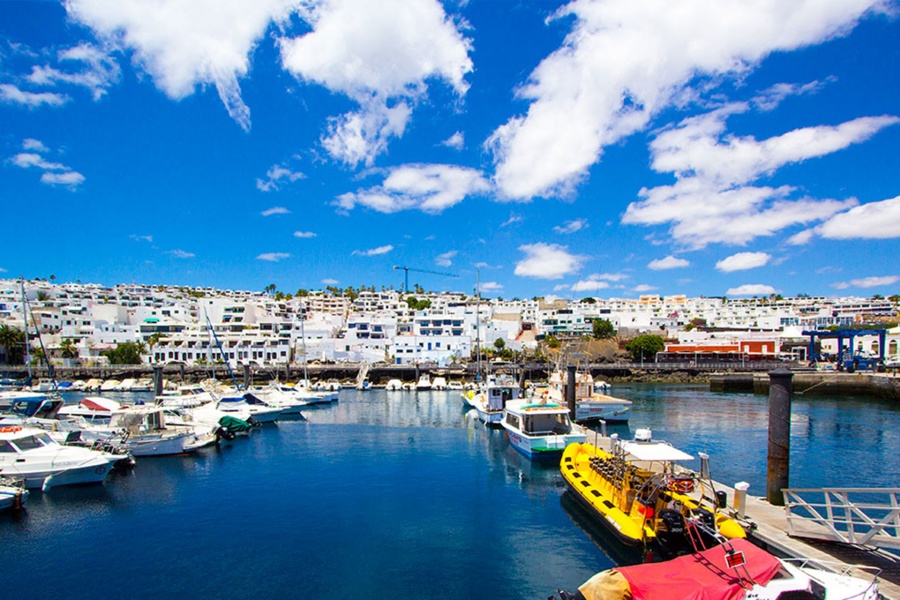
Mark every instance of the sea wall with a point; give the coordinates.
(880, 385)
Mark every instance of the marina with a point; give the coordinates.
(385, 492)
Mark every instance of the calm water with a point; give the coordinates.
(395, 495)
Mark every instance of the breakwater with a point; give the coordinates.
(880, 385)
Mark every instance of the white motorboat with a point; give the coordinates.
(185, 396)
(143, 431)
(455, 385)
(424, 383)
(539, 429)
(144, 384)
(12, 493)
(110, 385)
(281, 396)
(492, 398)
(247, 407)
(394, 385)
(127, 385)
(439, 384)
(94, 409)
(30, 454)
(589, 406)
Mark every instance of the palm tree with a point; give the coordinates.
(12, 341)
(68, 349)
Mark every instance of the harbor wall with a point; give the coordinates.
(880, 385)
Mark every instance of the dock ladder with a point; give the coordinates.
(861, 516)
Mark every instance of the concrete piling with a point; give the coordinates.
(570, 390)
(778, 463)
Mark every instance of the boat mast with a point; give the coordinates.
(477, 327)
(303, 344)
(221, 351)
(25, 321)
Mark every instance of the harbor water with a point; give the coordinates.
(393, 495)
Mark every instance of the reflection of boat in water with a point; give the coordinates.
(539, 429)
(639, 490)
(730, 571)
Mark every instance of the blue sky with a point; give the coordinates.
(606, 148)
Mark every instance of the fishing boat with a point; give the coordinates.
(12, 493)
(30, 454)
(589, 405)
(540, 429)
(730, 571)
(490, 400)
(640, 490)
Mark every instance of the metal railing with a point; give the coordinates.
(871, 517)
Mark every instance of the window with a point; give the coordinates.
(6, 447)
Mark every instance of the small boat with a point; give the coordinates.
(127, 385)
(245, 405)
(492, 398)
(540, 429)
(30, 454)
(185, 396)
(94, 409)
(589, 405)
(729, 571)
(144, 384)
(394, 385)
(92, 385)
(110, 385)
(424, 383)
(639, 490)
(439, 384)
(12, 493)
(143, 431)
(455, 385)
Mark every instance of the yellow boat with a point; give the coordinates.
(639, 490)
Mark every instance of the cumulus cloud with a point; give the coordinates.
(183, 45)
(669, 262)
(54, 173)
(589, 285)
(330, 281)
(751, 289)
(743, 261)
(429, 188)
(11, 94)
(868, 282)
(273, 256)
(381, 56)
(374, 251)
(712, 200)
(571, 226)
(874, 220)
(547, 261)
(445, 259)
(275, 210)
(490, 286)
(457, 141)
(182, 254)
(276, 176)
(645, 57)
(640, 289)
(304, 234)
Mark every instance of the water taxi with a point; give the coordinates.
(540, 429)
(642, 493)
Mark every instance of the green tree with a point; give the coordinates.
(126, 353)
(603, 329)
(42, 296)
(695, 323)
(500, 344)
(552, 342)
(12, 341)
(269, 288)
(67, 349)
(645, 347)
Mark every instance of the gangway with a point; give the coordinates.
(361, 376)
(871, 517)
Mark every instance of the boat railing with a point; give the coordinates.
(860, 516)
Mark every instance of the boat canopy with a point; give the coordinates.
(702, 576)
(655, 451)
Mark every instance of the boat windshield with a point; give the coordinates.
(548, 423)
(30, 442)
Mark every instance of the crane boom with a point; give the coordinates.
(406, 271)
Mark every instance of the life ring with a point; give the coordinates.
(10, 429)
(681, 485)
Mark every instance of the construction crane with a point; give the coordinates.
(406, 271)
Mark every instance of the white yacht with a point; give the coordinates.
(394, 385)
(439, 384)
(424, 383)
(30, 454)
(143, 431)
(94, 409)
(538, 429)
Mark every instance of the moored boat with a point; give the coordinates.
(642, 493)
(589, 405)
(12, 493)
(490, 401)
(540, 429)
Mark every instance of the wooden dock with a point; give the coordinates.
(771, 534)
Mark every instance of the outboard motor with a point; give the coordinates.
(671, 535)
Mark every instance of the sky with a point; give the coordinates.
(605, 148)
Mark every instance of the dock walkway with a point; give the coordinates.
(771, 534)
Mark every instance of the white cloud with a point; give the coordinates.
(374, 251)
(275, 176)
(445, 259)
(490, 286)
(69, 178)
(868, 282)
(183, 45)
(35, 145)
(380, 55)
(743, 261)
(571, 226)
(13, 95)
(304, 234)
(457, 141)
(94, 69)
(182, 254)
(330, 281)
(644, 288)
(275, 210)
(2, 270)
(547, 261)
(669, 262)
(645, 55)
(770, 98)
(53, 173)
(589, 285)
(429, 188)
(29, 159)
(751, 289)
(141, 238)
(273, 256)
(873, 220)
(512, 219)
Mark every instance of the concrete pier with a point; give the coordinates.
(879, 385)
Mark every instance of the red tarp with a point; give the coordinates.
(701, 576)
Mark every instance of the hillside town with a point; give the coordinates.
(80, 323)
